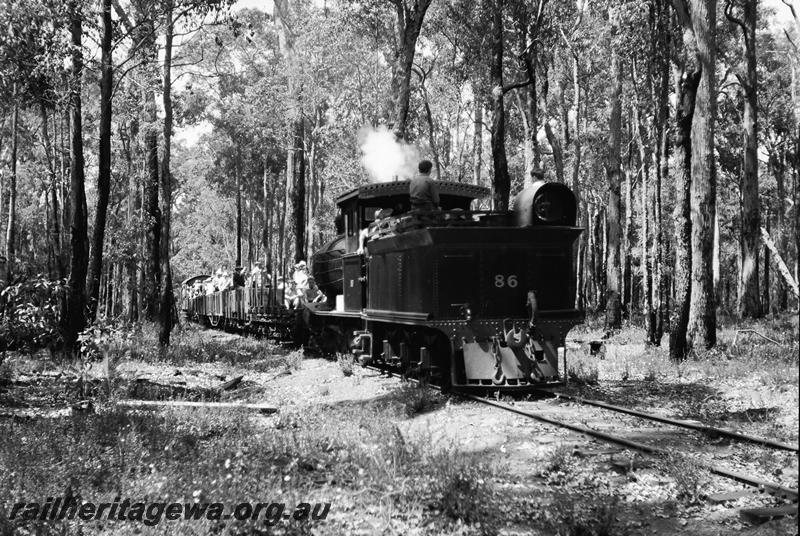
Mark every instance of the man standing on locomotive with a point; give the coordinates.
(423, 190)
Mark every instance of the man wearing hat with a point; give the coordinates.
(300, 279)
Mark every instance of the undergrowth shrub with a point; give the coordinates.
(416, 399)
(457, 485)
(346, 363)
(581, 374)
(29, 314)
(691, 478)
(580, 515)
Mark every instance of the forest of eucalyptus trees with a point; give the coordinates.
(146, 141)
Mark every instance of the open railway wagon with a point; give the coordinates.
(258, 310)
(467, 298)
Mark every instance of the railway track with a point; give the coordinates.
(790, 495)
(776, 490)
(708, 430)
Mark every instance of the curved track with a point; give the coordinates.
(776, 490)
(708, 430)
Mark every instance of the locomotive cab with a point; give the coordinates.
(338, 265)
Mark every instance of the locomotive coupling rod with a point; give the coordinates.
(710, 430)
(768, 487)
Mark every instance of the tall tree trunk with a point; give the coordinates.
(558, 153)
(269, 203)
(75, 313)
(128, 133)
(298, 194)
(646, 265)
(765, 299)
(501, 183)
(104, 160)
(528, 34)
(238, 180)
(687, 90)
(582, 205)
(702, 330)
(408, 24)
(167, 300)
(660, 285)
(613, 264)
(477, 140)
(661, 46)
(150, 216)
(250, 211)
(748, 304)
(11, 229)
(295, 156)
(54, 226)
(431, 129)
(627, 277)
(282, 209)
(2, 205)
(131, 276)
(778, 169)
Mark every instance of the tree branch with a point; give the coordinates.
(794, 46)
(739, 22)
(517, 85)
(682, 10)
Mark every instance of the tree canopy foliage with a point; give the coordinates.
(263, 115)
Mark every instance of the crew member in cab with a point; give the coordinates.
(423, 191)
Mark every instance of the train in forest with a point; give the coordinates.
(470, 299)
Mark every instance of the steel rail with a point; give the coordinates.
(771, 488)
(776, 490)
(710, 430)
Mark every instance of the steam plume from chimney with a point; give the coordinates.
(385, 158)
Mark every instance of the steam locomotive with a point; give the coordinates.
(471, 299)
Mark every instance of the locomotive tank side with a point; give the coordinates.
(327, 267)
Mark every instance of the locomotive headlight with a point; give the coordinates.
(548, 207)
(545, 203)
(466, 312)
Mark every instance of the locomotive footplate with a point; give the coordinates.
(510, 352)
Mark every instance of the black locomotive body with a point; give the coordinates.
(474, 299)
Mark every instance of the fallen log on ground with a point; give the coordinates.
(261, 408)
(782, 268)
(230, 384)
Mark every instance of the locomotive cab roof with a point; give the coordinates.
(394, 195)
(357, 207)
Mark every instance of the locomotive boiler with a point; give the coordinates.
(471, 299)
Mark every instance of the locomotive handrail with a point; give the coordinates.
(410, 316)
(416, 219)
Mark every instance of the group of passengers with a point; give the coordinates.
(300, 289)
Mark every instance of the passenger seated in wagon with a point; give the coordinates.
(313, 294)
